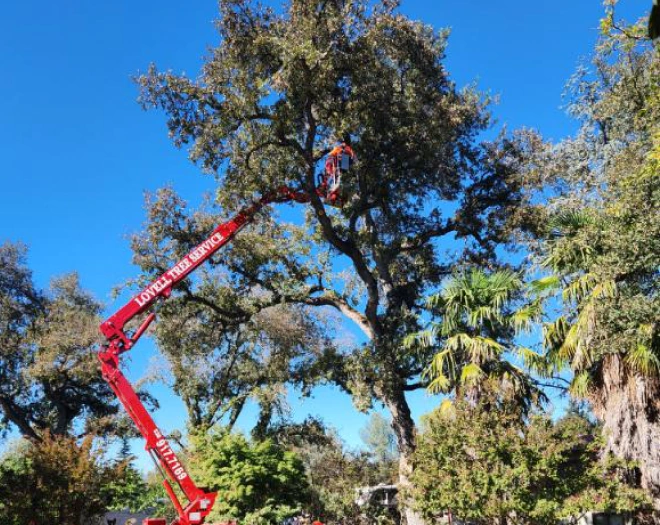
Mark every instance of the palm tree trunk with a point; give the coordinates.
(629, 407)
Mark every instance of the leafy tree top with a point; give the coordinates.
(49, 375)
(278, 91)
(486, 466)
(260, 482)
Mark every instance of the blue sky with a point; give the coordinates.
(78, 153)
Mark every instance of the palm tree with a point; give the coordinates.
(609, 334)
(475, 337)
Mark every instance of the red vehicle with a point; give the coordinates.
(198, 502)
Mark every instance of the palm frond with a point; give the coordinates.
(643, 360)
(435, 301)
(579, 337)
(437, 366)
(578, 289)
(580, 385)
(566, 343)
(483, 313)
(439, 385)
(554, 333)
(570, 345)
(458, 342)
(504, 281)
(604, 289)
(550, 283)
(424, 338)
(471, 374)
(441, 372)
(534, 361)
(485, 348)
(569, 222)
(524, 318)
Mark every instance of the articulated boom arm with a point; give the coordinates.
(199, 502)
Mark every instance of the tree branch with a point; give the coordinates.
(415, 386)
(341, 305)
(18, 417)
(424, 237)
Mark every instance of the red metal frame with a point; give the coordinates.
(199, 502)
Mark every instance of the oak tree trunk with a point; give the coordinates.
(404, 429)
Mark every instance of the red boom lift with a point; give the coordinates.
(198, 502)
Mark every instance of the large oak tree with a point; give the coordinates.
(273, 97)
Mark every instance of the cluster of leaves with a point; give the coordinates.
(49, 376)
(260, 482)
(59, 480)
(335, 472)
(128, 488)
(475, 338)
(487, 466)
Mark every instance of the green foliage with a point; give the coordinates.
(277, 92)
(474, 341)
(333, 471)
(258, 482)
(49, 376)
(57, 480)
(334, 474)
(601, 244)
(228, 339)
(379, 438)
(485, 465)
(127, 489)
(607, 260)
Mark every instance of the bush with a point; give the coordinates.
(56, 480)
(486, 465)
(259, 482)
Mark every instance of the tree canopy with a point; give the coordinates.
(273, 97)
(259, 482)
(49, 375)
(488, 466)
(601, 245)
(58, 480)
